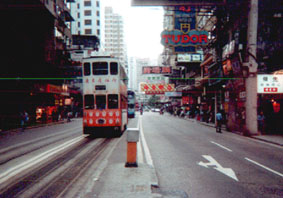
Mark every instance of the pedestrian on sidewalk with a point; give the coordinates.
(260, 120)
(219, 119)
(24, 119)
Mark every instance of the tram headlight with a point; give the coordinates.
(117, 113)
(110, 121)
(90, 114)
(90, 121)
(110, 113)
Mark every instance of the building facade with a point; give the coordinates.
(114, 42)
(86, 14)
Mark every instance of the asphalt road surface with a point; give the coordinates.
(191, 160)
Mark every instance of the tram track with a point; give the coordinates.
(50, 177)
(24, 148)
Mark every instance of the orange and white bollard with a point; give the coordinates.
(132, 139)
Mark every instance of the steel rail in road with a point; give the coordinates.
(50, 172)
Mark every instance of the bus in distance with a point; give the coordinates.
(131, 103)
(104, 96)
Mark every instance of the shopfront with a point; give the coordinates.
(270, 102)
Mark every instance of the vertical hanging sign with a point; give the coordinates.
(185, 21)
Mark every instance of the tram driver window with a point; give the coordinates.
(101, 102)
(113, 101)
(113, 68)
(89, 101)
(86, 69)
(100, 68)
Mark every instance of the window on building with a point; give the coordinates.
(100, 102)
(79, 15)
(78, 6)
(113, 101)
(79, 24)
(97, 4)
(87, 22)
(98, 32)
(87, 3)
(97, 13)
(88, 31)
(87, 12)
(89, 101)
(98, 22)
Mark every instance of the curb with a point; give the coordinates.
(264, 140)
(236, 132)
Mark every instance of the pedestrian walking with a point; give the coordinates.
(219, 119)
(260, 120)
(24, 119)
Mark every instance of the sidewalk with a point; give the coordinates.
(35, 125)
(118, 181)
(274, 139)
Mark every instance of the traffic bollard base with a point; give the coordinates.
(131, 165)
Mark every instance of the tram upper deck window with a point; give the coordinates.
(113, 101)
(86, 69)
(100, 102)
(113, 68)
(100, 68)
(89, 101)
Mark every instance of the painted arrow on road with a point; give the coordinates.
(213, 163)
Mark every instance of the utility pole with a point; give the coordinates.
(251, 80)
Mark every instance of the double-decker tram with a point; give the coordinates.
(131, 104)
(104, 96)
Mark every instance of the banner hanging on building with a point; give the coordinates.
(157, 88)
(156, 70)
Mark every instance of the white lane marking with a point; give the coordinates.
(212, 162)
(31, 162)
(269, 169)
(221, 146)
(140, 153)
(148, 158)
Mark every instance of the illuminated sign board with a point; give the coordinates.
(156, 70)
(269, 84)
(178, 38)
(157, 88)
(184, 20)
(185, 58)
(176, 2)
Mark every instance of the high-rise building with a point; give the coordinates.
(114, 36)
(87, 17)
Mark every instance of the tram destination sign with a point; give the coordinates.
(176, 2)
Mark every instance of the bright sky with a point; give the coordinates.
(142, 27)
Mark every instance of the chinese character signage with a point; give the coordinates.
(157, 88)
(156, 70)
(269, 84)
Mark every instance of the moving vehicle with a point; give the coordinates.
(104, 96)
(131, 104)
